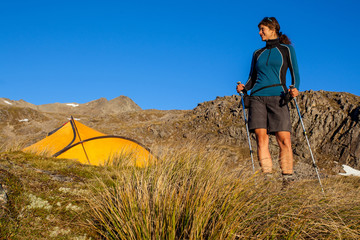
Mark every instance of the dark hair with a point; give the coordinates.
(273, 24)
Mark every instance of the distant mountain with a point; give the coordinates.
(96, 107)
(20, 103)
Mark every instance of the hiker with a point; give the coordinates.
(268, 109)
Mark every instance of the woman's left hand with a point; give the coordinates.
(293, 92)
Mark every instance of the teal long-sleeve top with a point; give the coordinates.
(269, 66)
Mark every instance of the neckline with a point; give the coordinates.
(272, 43)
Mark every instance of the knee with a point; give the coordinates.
(284, 143)
(262, 142)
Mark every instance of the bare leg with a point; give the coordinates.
(286, 156)
(262, 140)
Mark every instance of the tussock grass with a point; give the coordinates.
(192, 193)
(196, 194)
(11, 146)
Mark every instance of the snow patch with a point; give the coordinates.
(77, 119)
(7, 102)
(350, 171)
(72, 104)
(24, 120)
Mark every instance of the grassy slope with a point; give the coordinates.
(46, 197)
(190, 194)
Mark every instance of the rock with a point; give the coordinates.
(3, 197)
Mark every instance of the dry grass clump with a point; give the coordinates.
(194, 194)
(11, 146)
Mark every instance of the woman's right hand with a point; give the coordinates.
(240, 87)
(293, 92)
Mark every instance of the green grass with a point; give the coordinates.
(189, 194)
(39, 207)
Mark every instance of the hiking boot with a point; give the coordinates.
(288, 179)
(269, 177)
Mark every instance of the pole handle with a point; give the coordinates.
(242, 91)
(290, 97)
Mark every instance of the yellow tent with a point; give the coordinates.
(74, 140)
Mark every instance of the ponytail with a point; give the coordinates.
(284, 38)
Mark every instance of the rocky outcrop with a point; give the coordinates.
(331, 121)
(333, 125)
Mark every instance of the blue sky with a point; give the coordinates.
(166, 54)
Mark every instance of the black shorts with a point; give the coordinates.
(268, 112)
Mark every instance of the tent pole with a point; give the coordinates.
(82, 144)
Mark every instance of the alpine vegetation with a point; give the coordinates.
(197, 194)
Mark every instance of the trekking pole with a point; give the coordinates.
(247, 129)
(307, 140)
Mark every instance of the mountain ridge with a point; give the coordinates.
(99, 106)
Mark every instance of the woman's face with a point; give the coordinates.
(266, 33)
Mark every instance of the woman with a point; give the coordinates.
(268, 114)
